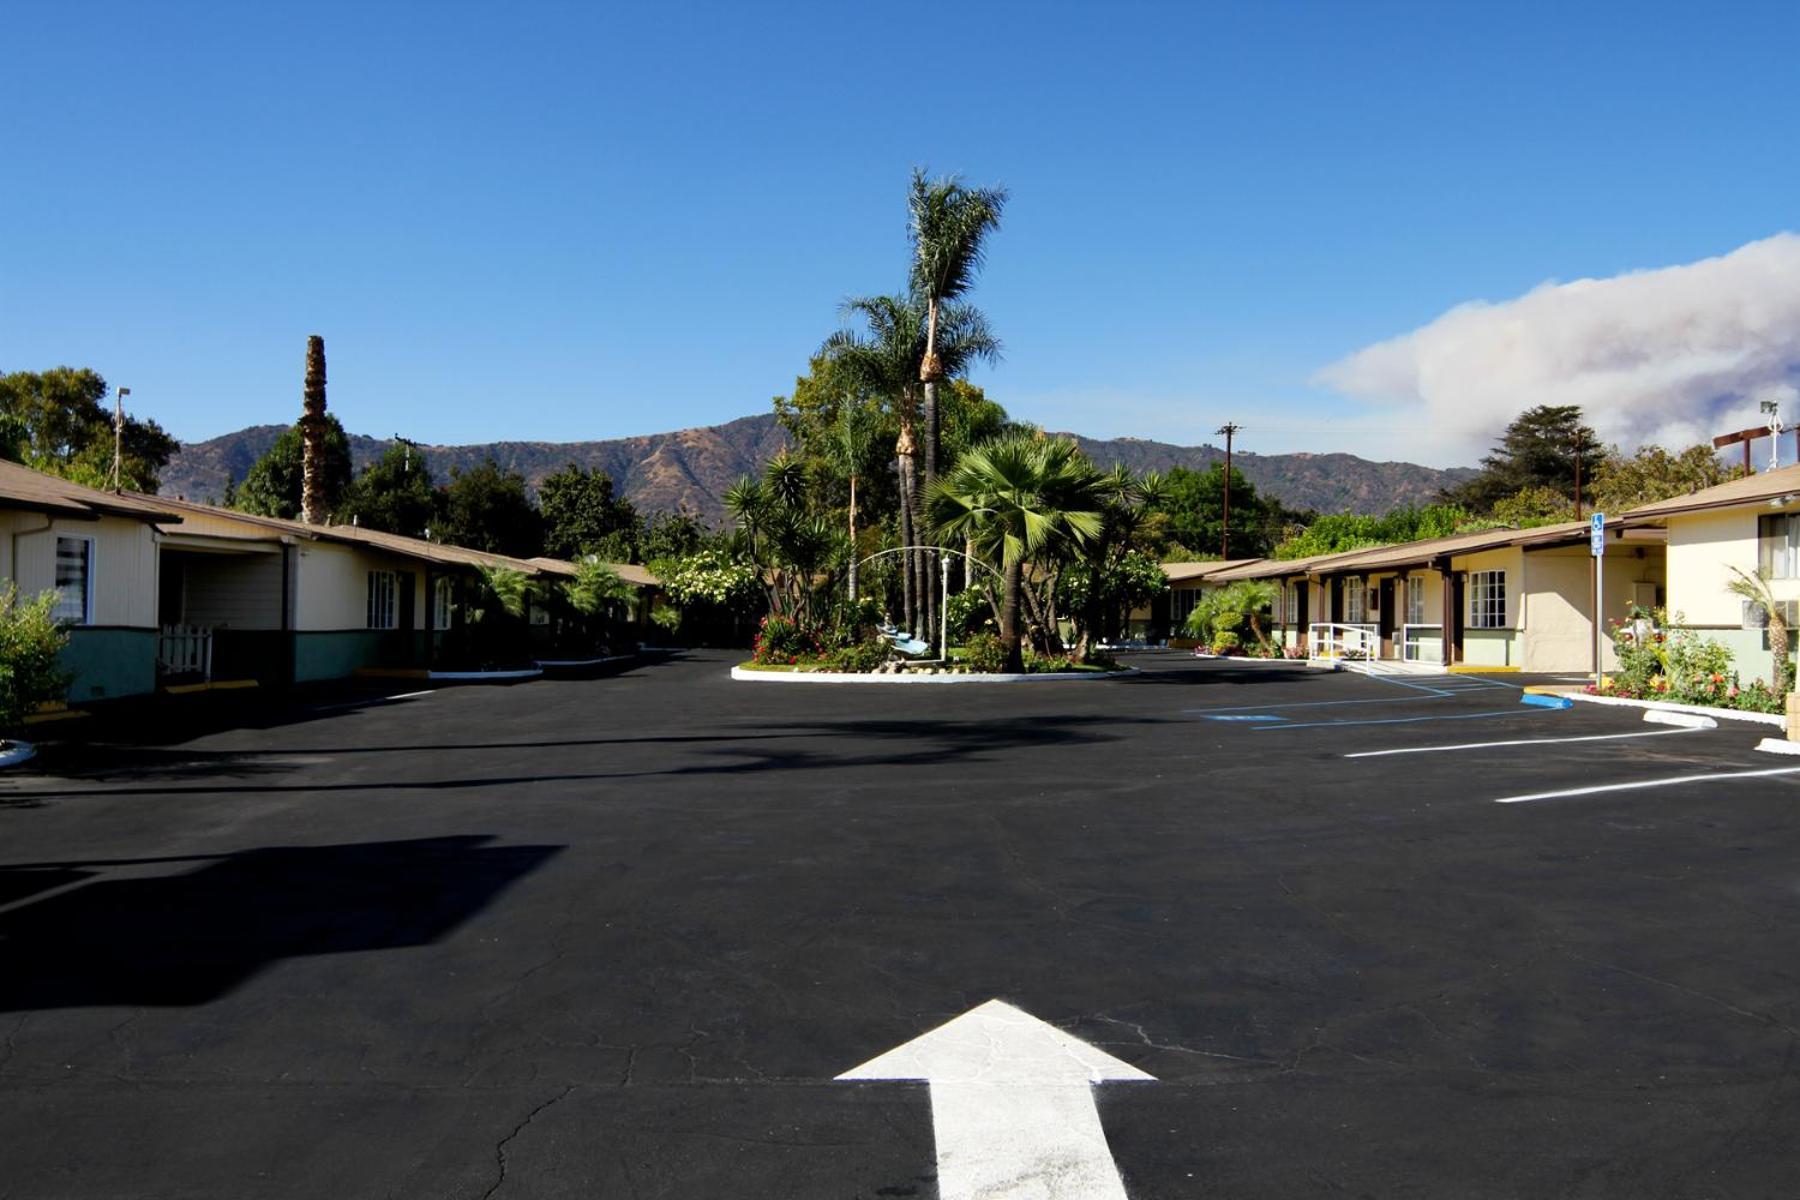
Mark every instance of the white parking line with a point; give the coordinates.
(1671, 781)
(1592, 737)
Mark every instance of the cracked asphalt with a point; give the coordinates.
(615, 938)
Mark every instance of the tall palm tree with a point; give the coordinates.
(949, 224)
(1019, 498)
(852, 436)
(885, 361)
(1755, 588)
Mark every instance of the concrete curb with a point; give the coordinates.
(1657, 716)
(744, 676)
(15, 753)
(483, 676)
(1778, 746)
(1723, 714)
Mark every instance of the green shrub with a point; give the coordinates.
(970, 613)
(30, 640)
(985, 653)
(666, 617)
(861, 659)
(1225, 642)
(781, 639)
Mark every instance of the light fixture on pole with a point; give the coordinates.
(119, 436)
(1772, 410)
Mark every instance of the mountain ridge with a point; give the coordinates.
(692, 468)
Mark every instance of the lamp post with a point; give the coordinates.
(1772, 410)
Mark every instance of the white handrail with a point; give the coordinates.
(1411, 644)
(1335, 641)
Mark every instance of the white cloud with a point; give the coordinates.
(1672, 356)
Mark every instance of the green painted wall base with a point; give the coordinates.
(109, 663)
(337, 654)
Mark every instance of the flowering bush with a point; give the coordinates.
(985, 653)
(1657, 662)
(781, 641)
(708, 576)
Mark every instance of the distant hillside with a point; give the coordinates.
(692, 468)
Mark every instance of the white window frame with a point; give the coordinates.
(1486, 588)
(1415, 600)
(391, 618)
(87, 579)
(1181, 603)
(442, 599)
(1291, 603)
(1356, 601)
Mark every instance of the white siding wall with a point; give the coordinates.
(124, 562)
(241, 591)
(332, 585)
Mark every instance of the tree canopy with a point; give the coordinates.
(1194, 503)
(58, 421)
(582, 515)
(393, 494)
(1654, 473)
(1537, 450)
(487, 508)
(272, 485)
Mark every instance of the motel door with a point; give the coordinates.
(1458, 603)
(1386, 594)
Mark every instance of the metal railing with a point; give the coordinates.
(1336, 641)
(1413, 647)
(185, 650)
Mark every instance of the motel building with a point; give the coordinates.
(1498, 600)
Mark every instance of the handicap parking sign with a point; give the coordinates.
(1597, 534)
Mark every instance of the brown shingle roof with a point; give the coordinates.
(23, 487)
(392, 543)
(1751, 489)
(1182, 572)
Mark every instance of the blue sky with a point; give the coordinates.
(559, 222)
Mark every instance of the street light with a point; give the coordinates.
(1772, 410)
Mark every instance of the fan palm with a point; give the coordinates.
(596, 588)
(1019, 498)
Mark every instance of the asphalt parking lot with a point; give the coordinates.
(619, 937)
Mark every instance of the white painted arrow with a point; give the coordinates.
(1012, 1106)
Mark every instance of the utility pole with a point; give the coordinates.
(119, 436)
(1228, 430)
(1578, 476)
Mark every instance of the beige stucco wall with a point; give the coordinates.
(1702, 548)
(124, 562)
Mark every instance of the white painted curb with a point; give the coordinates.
(1723, 714)
(744, 676)
(584, 662)
(483, 676)
(1686, 720)
(1778, 746)
(16, 753)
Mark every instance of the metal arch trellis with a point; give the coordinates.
(944, 553)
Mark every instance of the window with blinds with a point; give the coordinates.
(1355, 602)
(1415, 600)
(74, 580)
(1778, 545)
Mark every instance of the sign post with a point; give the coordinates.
(1597, 550)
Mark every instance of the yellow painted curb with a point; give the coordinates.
(1466, 669)
(59, 714)
(216, 685)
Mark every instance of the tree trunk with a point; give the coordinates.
(853, 554)
(1778, 642)
(905, 462)
(1009, 617)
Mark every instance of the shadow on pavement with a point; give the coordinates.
(189, 938)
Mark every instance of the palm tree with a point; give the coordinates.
(1254, 597)
(597, 588)
(1755, 588)
(852, 436)
(885, 362)
(949, 226)
(1019, 498)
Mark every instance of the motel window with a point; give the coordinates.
(74, 580)
(440, 603)
(1778, 546)
(1355, 597)
(1415, 599)
(384, 600)
(1292, 594)
(1487, 600)
(1181, 603)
